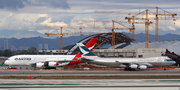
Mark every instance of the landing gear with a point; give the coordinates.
(164, 68)
(129, 69)
(50, 67)
(8, 67)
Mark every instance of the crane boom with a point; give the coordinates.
(85, 27)
(110, 21)
(157, 18)
(129, 13)
(117, 12)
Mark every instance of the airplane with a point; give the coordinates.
(127, 63)
(47, 61)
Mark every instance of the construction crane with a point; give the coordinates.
(129, 13)
(61, 36)
(117, 12)
(129, 21)
(157, 20)
(113, 28)
(84, 27)
(148, 23)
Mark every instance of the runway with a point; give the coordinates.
(87, 73)
(86, 88)
(89, 84)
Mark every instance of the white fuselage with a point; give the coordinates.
(30, 59)
(161, 61)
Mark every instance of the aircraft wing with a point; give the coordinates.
(130, 63)
(124, 63)
(86, 59)
(147, 64)
(63, 61)
(58, 61)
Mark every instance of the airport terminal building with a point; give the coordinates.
(138, 52)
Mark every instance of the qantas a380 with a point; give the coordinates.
(47, 60)
(127, 63)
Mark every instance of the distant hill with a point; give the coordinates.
(55, 43)
(167, 37)
(52, 43)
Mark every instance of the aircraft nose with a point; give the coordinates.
(174, 62)
(5, 62)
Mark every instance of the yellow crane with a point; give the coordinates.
(81, 27)
(113, 28)
(147, 24)
(134, 13)
(157, 20)
(129, 21)
(63, 34)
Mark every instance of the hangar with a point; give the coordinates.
(103, 39)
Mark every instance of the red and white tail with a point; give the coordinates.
(90, 45)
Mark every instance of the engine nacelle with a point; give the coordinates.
(142, 67)
(52, 64)
(40, 65)
(133, 66)
(63, 64)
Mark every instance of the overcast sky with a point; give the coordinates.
(32, 15)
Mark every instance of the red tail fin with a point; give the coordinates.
(89, 45)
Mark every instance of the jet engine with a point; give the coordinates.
(142, 67)
(133, 66)
(52, 64)
(40, 65)
(63, 64)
